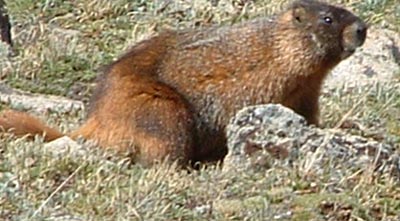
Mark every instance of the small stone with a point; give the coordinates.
(65, 146)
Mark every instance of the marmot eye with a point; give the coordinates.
(328, 20)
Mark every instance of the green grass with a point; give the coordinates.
(61, 44)
(107, 187)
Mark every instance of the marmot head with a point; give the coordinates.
(333, 32)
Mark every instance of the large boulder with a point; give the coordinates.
(378, 60)
(259, 136)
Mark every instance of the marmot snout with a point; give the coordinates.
(353, 37)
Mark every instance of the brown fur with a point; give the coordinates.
(173, 94)
(22, 124)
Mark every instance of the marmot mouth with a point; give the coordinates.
(347, 52)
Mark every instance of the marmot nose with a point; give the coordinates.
(361, 32)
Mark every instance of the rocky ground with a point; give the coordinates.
(277, 168)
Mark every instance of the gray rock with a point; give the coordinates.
(65, 146)
(378, 60)
(259, 136)
(36, 102)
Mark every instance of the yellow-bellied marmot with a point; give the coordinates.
(173, 94)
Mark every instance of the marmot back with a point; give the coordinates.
(173, 94)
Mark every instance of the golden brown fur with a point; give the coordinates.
(173, 94)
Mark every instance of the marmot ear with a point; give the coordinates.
(299, 13)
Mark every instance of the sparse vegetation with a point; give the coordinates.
(61, 44)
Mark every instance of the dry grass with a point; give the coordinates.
(62, 43)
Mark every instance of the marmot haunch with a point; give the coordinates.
(173, 94)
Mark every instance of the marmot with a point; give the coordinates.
(173, 94)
